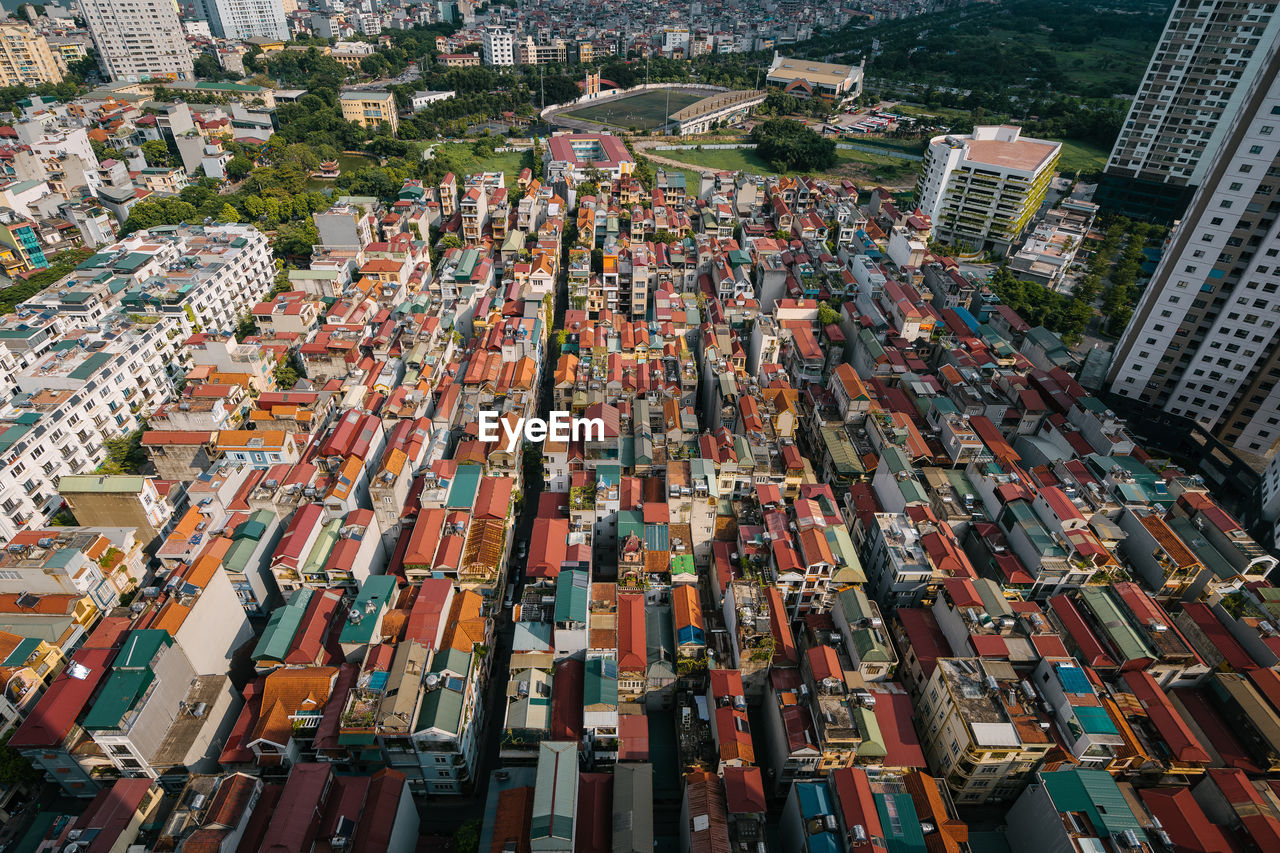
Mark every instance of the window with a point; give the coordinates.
(1255, 149)
(1265, 130)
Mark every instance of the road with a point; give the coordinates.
(442, 815)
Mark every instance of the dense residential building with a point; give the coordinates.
(498, 46)
(1202, 343)
(838, 516)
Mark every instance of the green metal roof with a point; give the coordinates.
(872, 744)
(1096, 794)
(462, 492)
(324, 544)
(900, 823)
(253, 527)
(118, 695)
(656, 537)
(375, 596)
(554, 804)
(600, 682)
(441, 709)
(844, 456)
(23, 650)
(841, 545)
(131, 261)
(13, 435)
(1095, 720)
(277, 637)
(1119, 631)
(571, 597)
(141, 647)
(90, 366)
(682, 564)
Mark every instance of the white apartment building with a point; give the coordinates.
(982, 189)
(243, 19)
(138, 40)
(1203, 339)
(68, 404)
(498, 46)
(209, 275)
(140, 299)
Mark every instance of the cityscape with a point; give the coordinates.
(500, 426)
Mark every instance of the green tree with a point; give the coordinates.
(789, 145)
(16, 770)
(124, 454)
(246, 327)
(827, 315)
(157, 153)
(466, 838)
(239, 166)
(285, 376)
(451, 241)
(228, 214)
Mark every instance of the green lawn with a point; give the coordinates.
(906, 146)
(849, 164)
(1080, 156)
(644, 111)
(463, 161)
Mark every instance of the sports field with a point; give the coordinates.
(643, 111)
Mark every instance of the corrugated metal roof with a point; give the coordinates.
(1096, 794)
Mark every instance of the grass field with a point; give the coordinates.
(463, 161)
(1080, 156)
(906, 146)
(893, 171)
(644, 111)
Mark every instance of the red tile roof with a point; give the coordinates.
(901, 741)
(1168, 721)
(66, 697)
(744, 790)
(1181, 816)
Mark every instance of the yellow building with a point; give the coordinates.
(371, 109)
(981, 733)
(25, 57)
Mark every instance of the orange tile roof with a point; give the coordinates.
(466, 623)
(285, 692)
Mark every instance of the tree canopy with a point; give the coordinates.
(789, 145)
